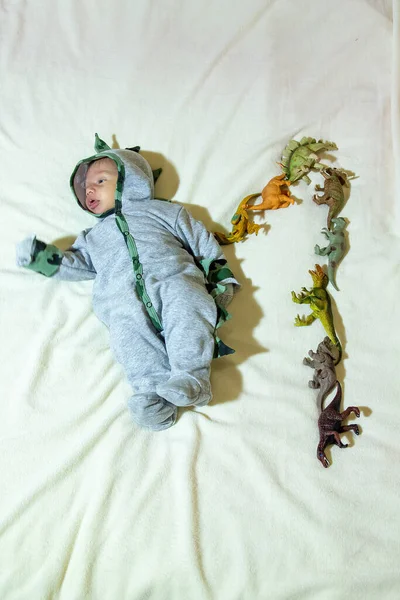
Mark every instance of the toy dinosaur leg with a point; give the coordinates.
(337, 439)
(308, 362)
(302, 298)
(314, 383)
(348, 411)
(354, 428)
(321, 251)
(321, 199)
(285, 201)
(304, 321)
(252, 228)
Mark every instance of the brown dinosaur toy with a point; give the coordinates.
(330, 425)
(333, 195)
(275, 195)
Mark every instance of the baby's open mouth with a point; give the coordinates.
(92, 203)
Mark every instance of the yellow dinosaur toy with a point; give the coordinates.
(241, 224)
(275, 195)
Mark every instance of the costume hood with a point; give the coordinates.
(135, 177)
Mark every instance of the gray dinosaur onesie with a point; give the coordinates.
(161, 285)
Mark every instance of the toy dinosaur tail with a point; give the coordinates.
(339, 347)
(331, 274)
(335, 404)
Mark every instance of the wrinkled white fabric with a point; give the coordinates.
(231, 502)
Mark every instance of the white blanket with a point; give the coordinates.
(231, 503)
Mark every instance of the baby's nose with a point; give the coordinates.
(89, 190)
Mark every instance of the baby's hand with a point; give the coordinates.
(37, 256)
(24, 251)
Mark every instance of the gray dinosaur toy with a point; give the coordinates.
(335, 249)
(323, 362)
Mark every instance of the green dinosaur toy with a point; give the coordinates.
(333, 195)
(336, 247)
(320, 304)
(298, 158)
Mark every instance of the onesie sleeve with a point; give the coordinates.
(220, 281)
(207, 253)
(73, 264)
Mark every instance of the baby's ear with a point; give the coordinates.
(99, 144)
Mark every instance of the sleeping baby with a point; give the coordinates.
(161, 282)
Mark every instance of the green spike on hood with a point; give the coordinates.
(135, 177)
(99, 144)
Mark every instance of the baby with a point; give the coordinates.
(161, 284)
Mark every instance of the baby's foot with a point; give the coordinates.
(152, 412)
(185, 390)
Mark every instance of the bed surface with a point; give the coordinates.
(231, 503)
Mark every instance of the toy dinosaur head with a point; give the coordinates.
(320, 279)
(339, 173)
(321, 454)
(338, 223)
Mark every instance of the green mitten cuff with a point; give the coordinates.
(216, 270)
(37, 256)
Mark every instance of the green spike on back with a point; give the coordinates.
(100, 145)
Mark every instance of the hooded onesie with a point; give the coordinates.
(161, 286)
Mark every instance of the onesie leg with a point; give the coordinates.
(143, 356)
(189, 317)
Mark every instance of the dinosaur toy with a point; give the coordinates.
(320, 304)
(298, 158)
(323, 362)
(333, 194)
(275, 195)
(330, 425)
(336, 247)
(241, 224)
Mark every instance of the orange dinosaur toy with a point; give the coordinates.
(275, 195)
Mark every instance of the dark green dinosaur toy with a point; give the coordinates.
(320, 304)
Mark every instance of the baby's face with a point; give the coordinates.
(101, 181)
